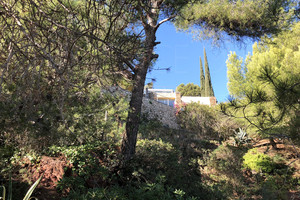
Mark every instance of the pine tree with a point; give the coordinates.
(266, 87)
(209, 92)
(202, 79)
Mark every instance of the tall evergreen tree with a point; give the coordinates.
(202, 79)
(209, 92)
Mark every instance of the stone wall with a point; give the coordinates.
(152, 108)
(164, 113)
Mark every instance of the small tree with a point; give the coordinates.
(189, 89)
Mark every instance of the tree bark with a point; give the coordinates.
(133, 119)
(134, 113)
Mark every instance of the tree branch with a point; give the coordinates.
(164, 20)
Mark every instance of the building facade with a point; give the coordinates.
(172, 98)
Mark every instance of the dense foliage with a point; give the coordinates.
(258, 161)
(238, 19)
(206, 122)
(266, 87)
(189, 89)
(53, 62)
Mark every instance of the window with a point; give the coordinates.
(168, 102)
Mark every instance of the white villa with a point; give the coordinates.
(172, 98)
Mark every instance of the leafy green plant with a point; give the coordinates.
(3, 193)
(144, 191)
(92, 165)
(258, 161)
(224, 168)
(28, 194)
(6, 153)
(31, 189)
(158, 158)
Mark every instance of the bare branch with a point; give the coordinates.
(165, 20)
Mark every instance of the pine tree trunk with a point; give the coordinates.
(134, 113)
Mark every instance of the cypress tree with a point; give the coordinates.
(202, 79)
(209, 92)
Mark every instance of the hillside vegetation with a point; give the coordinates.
(205, 159)
(65, 133)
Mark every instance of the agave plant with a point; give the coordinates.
(241, 138)
(28, 194)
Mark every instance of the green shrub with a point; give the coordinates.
(78, 119)
(273, 187)
(89, 162)
(158, 171)
(206, 121)
(6, 152)
(156, 158)
(227, 159)
(112, 193)
(150, 191)
(224, 167)
(258, 161)
(198, 118)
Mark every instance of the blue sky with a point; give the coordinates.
(181, 52)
